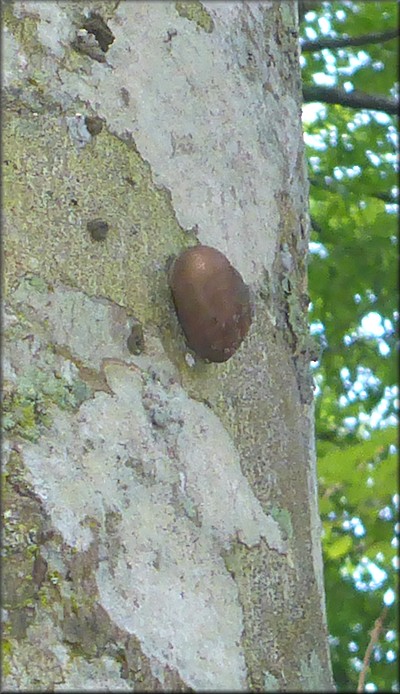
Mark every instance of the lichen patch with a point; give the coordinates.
(150, 478)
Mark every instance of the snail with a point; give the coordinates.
(212, 302)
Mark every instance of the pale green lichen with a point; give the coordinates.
(283, 517)
(195, 11)
(55, 241)
(27, 406)
(21, 529)
(312, 673)
(110, 179)
(54, 577)
(24, 30)
(70, 604)
(38, 284)
(6, 647)
(271, 683)
(19, 415)
(119, 188)
(288, 15)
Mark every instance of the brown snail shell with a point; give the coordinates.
(212, 302)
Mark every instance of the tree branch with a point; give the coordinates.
(305, 6)
(354, 99)
(315, 226)
(387, 198)
(342, 42)
(375, 633)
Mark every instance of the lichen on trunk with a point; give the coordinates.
(160, 509)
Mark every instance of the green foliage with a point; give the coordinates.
(352, 277)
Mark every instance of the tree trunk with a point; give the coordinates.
(161, 521)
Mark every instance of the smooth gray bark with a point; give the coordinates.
(162, 528)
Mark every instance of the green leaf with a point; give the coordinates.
(340, 547)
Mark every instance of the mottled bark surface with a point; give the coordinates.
(161, 525)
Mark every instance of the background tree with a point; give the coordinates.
(162, 528)
(350, 66)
